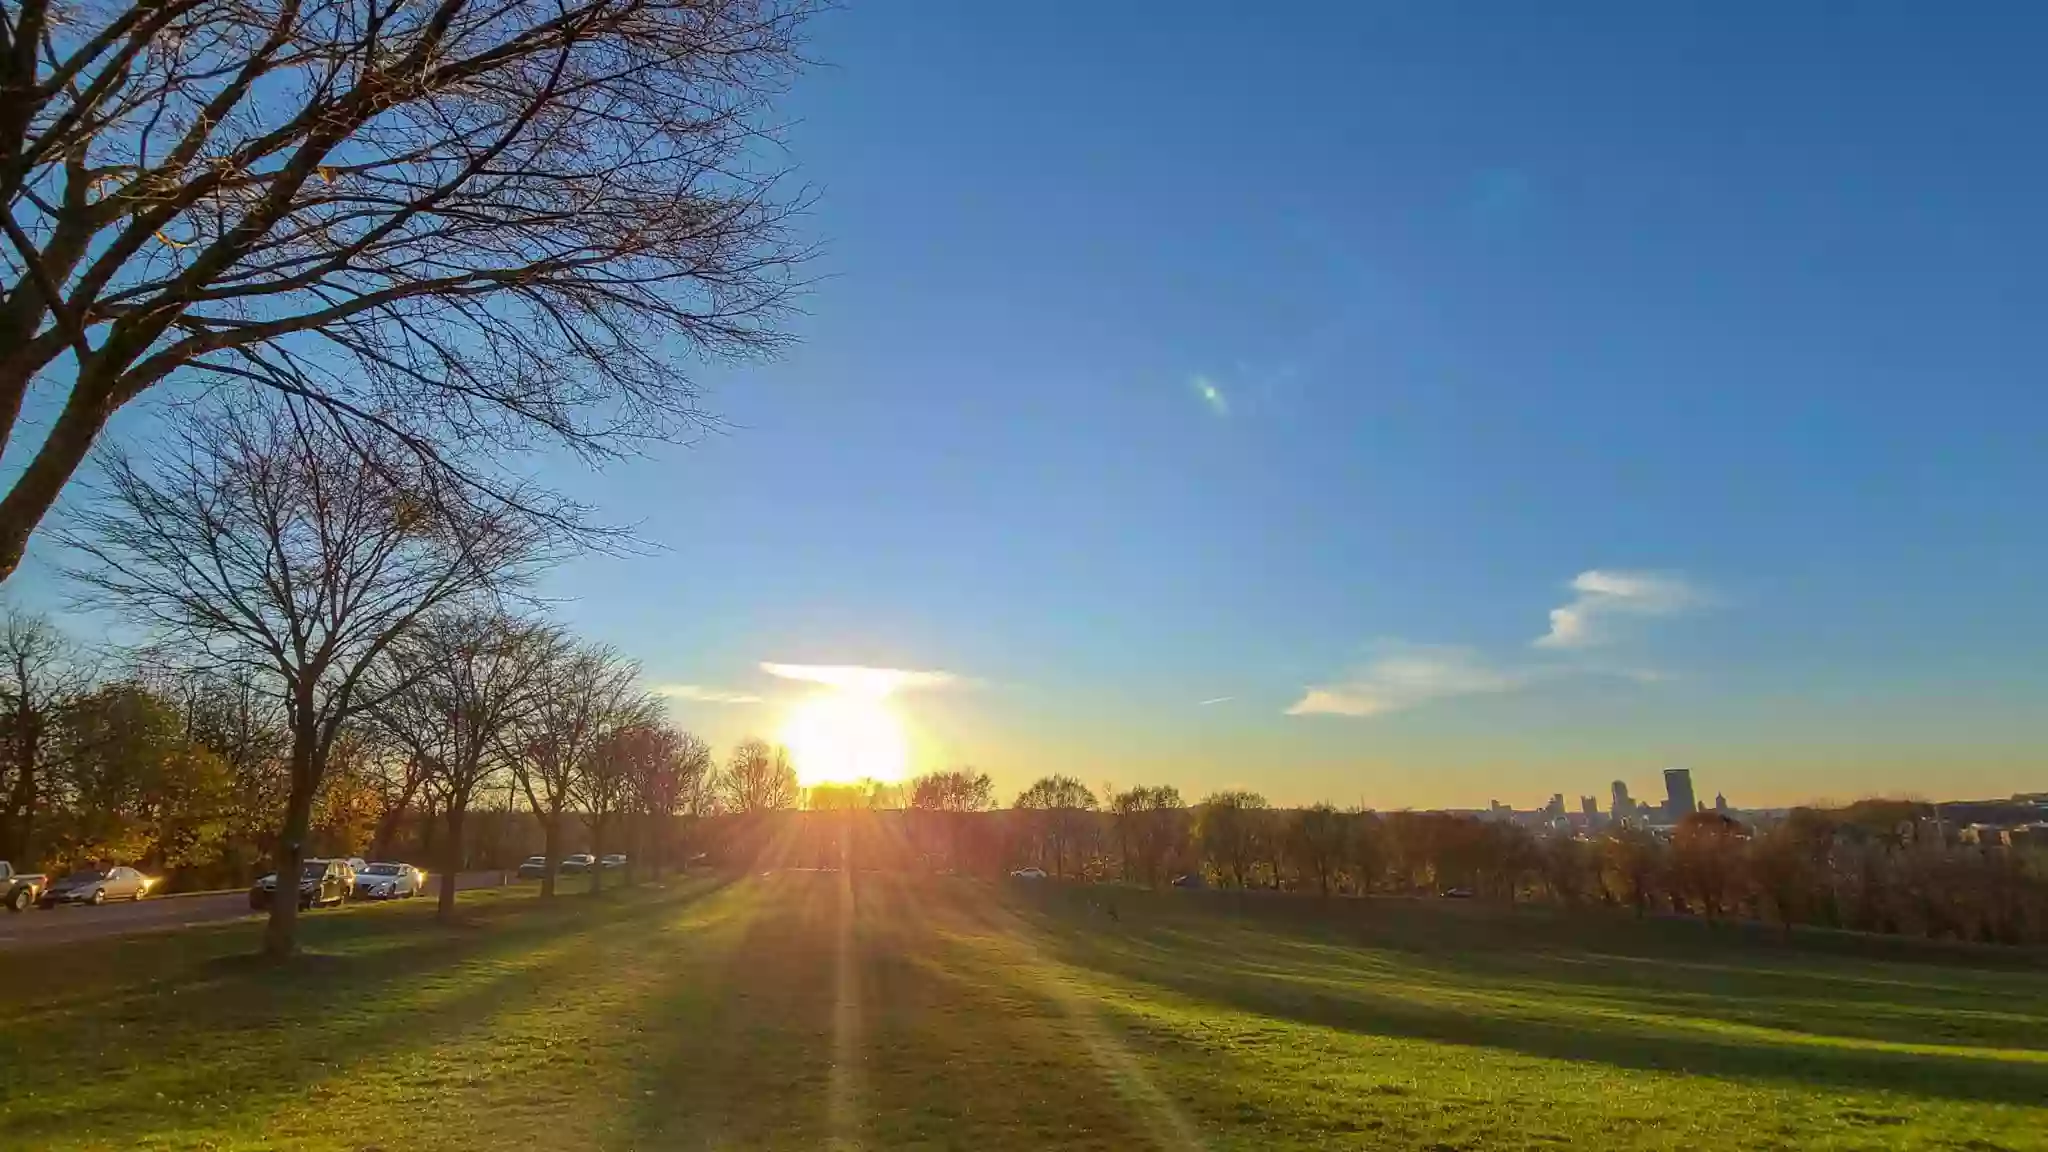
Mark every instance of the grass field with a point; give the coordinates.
(816, 1010)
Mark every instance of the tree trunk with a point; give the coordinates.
(550, 847)
(451, 864)
(634, 834)
(281, 934)
(597, 851)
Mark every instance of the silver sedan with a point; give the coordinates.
(383, 881)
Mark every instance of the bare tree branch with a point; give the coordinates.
(495, 226)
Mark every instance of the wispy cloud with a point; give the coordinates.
(1215, 700)
(1210, 393)
(1604, 596)
(1403, 676)
(699, 694)
(1408, 676)
(862, 680)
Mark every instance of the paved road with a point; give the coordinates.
(163, 913)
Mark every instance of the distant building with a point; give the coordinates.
(1721, 803)
(1624, 805)
(1678, 797)
(1589, 808)
(1556, 805)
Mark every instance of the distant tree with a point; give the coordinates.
(1570, 868)
(133, 788)
(1707, 850)
(1411, 847)
(263, 540)
(758, 777)
(1787, 864)
(41, 671)
(579, 695)
(346, 807)
(1228, 826)
(948, 797)
(1152, 828)
(230, 714)
(1367, 858)
(398, 778)
(483, 228)
(1631, 860)
(608, 784)
(670, 770)
(1319, 839)
(452, 689)
(952, 790)
(1060, 805)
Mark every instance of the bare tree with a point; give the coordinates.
(1151, 825)
(1061, 805)
(40, 671)
(452, 687)
(471, 225)
(605, 783)
(266, 545)
(757, 778)
(578, 697)
(948, 796)
(1317, 837)
(1228, 829)
(669, 768)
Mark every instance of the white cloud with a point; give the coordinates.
(862, 680)
(1408, 676)
(1604, 595)
(1215, 700)
(702, 695)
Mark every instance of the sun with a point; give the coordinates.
(840, 737)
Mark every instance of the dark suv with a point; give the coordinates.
(321, 883)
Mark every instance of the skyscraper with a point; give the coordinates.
(1678, 798)
(1624, 805)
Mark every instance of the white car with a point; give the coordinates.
(1028, 874)
(383, 881)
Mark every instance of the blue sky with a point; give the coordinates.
(1162, 355)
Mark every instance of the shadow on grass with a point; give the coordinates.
(1257, 964)
(191, 1027)
(745, 1059)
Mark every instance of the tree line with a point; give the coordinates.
(1877, 866)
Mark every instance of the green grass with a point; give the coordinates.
(804, 1010)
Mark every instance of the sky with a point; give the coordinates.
(1401, 405)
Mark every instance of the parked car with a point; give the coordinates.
(533, 868)
(1028, 874)
(93, 886)
(1456, 894)
(1188, 880)
(579, 863)
(382, 881)
(321, 883)
(613, 860)
(18, 890)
